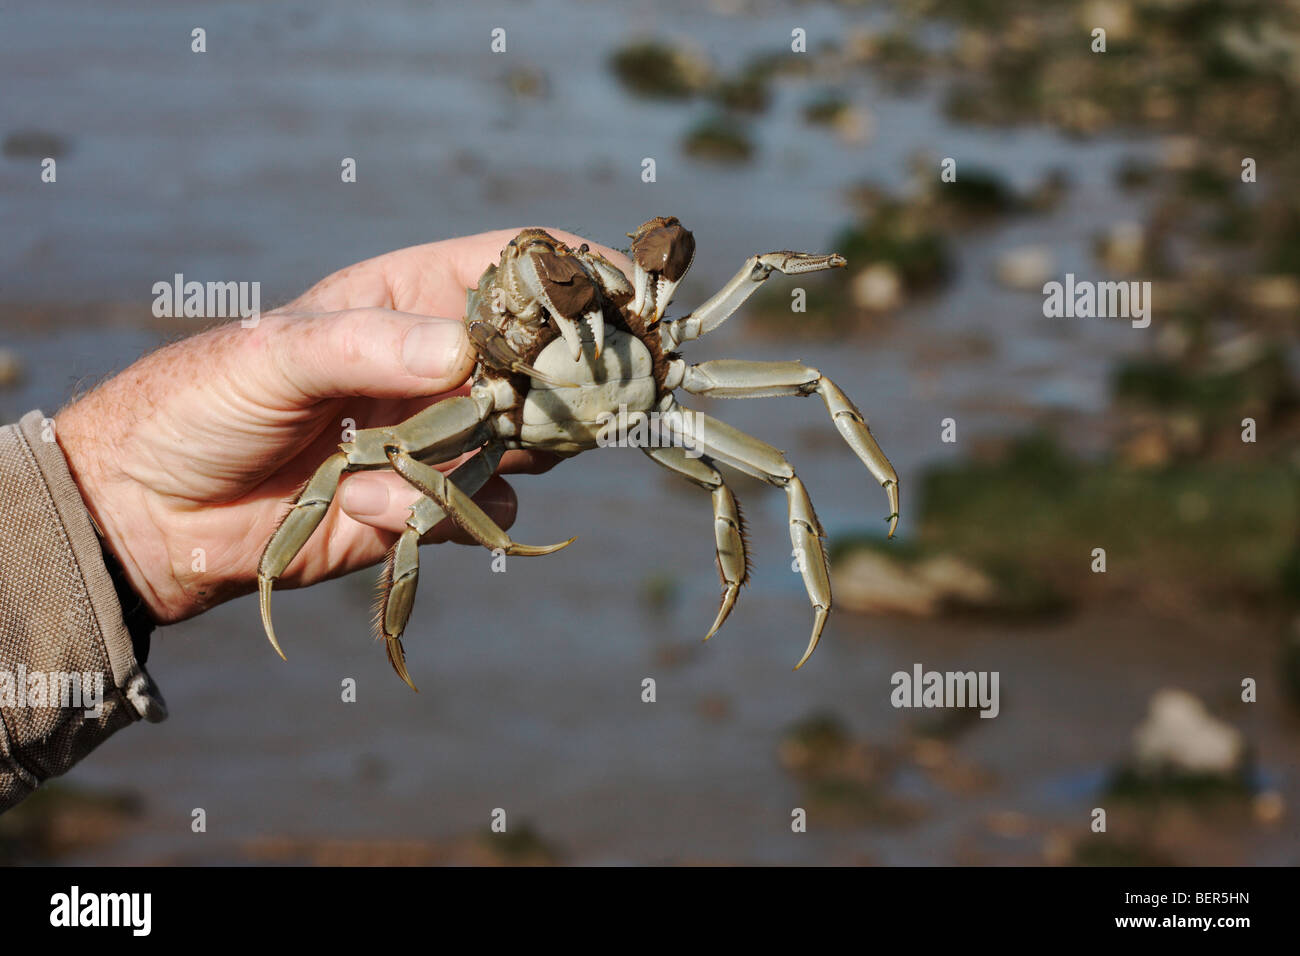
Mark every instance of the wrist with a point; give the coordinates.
(121, 518)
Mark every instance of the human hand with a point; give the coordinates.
(196, 449)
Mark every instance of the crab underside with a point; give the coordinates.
(566, 345)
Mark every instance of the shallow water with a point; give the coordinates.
(225, 166)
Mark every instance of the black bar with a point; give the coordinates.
(546, 905)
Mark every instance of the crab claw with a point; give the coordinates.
(560, 283)
(641, 279)
(664, 290)
(595, 320)
(662, 251)
(569, 329)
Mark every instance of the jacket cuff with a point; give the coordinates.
(69, 677)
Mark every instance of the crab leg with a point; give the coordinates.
(401, 572)
(440, 432)
(730, 378)
(462, 509)
(728, 524)
(730, 445)
(743, 284)
(662, 252)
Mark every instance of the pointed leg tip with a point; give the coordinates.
(264, 586)
(406, 679)
(728, 602)
(397, 657)
(537, 550)
(804, 660)
(820, 614)
(533, 551)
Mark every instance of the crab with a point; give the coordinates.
(565, 341)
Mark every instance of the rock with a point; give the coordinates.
(1026, 268)
(34, 144)
(1057, 849)
(1181, 738)
(1173, 340)
(11, 369)
(1008, 823)
(1179, 153)
(1114, 17)
(1279, 292)
(1123, 247)
(814, 743)
(719, 139)
(1048, 193)
(1239, 353)
(528, 83)
(974, 49)
(1149, 448)
(877, 288)
(953, 578)
(662, 71)
(1269, 807)
(714, 707)
(825, 109)
(859, 44)
(874, 583)
(854, 126)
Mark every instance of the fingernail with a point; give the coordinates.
(364, 497)
(432, 349)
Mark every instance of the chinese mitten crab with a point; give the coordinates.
(565, 342)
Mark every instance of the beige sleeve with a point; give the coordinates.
(68, 674)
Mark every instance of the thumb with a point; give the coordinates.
(377, 353)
